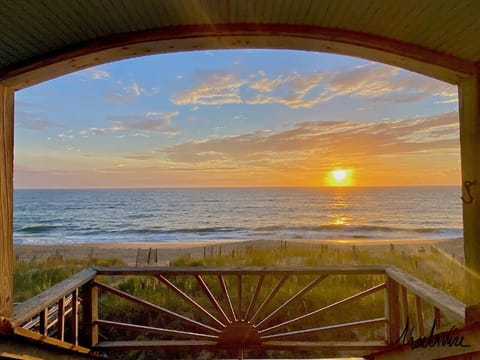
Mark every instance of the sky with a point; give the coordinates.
(237, 118)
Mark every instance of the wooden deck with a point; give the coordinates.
(238, 309)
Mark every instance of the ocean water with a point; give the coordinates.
(159, 215)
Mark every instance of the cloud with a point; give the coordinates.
(98, 74)
(125, 93)
(65, 137)
(140, 156)
(294, 90)
(150, 121)
(363, 81)
(133, 89)
(373, 82)
(32, 121)
(325, 140)
(93, 132)
(215, 89)
(135, 125)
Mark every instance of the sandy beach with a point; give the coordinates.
(161, 253)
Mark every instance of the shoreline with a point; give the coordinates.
(164, 252)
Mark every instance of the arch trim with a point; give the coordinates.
(235, 36)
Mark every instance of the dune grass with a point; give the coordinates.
(431, 266)
(32, 277)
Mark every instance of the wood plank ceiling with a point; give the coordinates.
(32, 30)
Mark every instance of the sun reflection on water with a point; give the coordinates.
(339, 206)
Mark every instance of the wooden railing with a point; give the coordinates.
(52, 317)
(345, 309)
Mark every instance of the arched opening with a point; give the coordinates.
(98, 130)
(441, 47)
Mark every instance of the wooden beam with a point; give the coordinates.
(6, 203)
(158, 331)
(342, 326)
(326, 345)
(210, 345)
(220, 36)
(34, 305)
(156, 345)
(469, 108)
(46, 340)
(450, 306)
(28, 345)
(247, 270)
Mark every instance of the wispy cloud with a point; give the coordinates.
(121, 93)
(33, 121)
(214, 89)
(150, 121)
(98, 73)
(382, 83)
(136, 125)
(64, 137)
(140, 156)
(93, 132)
(335, 139)
(373, 82)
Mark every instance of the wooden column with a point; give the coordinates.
(6, 205)
(90, 315)
(392, 311)
(469, 107)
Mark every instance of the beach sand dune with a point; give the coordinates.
(162, 253)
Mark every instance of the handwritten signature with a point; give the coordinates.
(432, 340)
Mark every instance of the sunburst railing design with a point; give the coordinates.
(236, 318)
(337, 308)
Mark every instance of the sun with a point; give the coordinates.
(340, 177)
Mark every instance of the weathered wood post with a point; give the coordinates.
(6, 206)
(469, 108)
(392, 310)
(90, 315)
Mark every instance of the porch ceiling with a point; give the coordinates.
(33, 32)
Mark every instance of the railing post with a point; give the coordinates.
(61, 319)
(90, 315)
(419, 309)
(404, 306)
(43, 324)
(74, 318)
(392, 310)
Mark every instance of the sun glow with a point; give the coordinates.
(340, 177)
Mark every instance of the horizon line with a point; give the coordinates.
(235, 187)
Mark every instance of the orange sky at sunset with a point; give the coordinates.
(237, 119)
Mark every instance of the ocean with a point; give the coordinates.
(169, 215)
